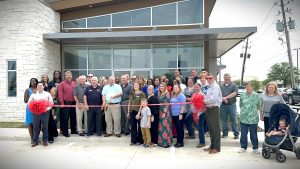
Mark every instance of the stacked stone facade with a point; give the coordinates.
(22, 25)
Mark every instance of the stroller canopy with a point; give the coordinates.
(280, 110)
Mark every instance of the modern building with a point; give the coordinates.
(105, 37)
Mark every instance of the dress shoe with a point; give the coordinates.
(118, 135)
(107, 135)
(190, 137)
(81, 134)
(45, 144)
(67, 135)
(51, 141)
(126, 133)
(236, 137)
(224, 136)
(207, 149)
(200, 145)
(177, 145)
(213, 151)
(34, 144)
(75, 132)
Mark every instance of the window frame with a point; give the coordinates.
(7, 83)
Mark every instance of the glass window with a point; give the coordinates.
(164, 15)
(99, 57)
(190, 55)
(76, 73)
(99, 73)
(168, 72)
(75, 57)
(12, 79)
(164, 56)
(145, 74)
(187, 72)
(101, 21)
(120, 73)
(140, 56)
(79, 23)
(190, 12)
(121, 19)
(121, 56)
(141, 17)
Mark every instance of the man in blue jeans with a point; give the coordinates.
(228, 107)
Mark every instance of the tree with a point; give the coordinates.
(281, 71)
(255, 85)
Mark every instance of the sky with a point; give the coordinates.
(266, 50)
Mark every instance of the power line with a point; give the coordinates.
(267, 15)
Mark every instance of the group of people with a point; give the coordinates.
(153, 112)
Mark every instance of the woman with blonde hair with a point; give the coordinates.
(268, 99)
(165, 124)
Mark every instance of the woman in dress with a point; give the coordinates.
(165, 124)
(153, 105)
(28, 117)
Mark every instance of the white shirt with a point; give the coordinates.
(44, 95)
(213, 96)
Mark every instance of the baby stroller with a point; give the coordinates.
(273, 144)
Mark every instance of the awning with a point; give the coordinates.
(223, 38)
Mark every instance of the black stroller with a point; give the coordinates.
(273, 144)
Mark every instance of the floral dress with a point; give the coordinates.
(165, 124)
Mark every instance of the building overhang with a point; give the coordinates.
(223, 39)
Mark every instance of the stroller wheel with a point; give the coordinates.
(298, 153)
(266, 153)
(280, 157)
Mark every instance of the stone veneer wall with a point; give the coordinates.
(22, 25)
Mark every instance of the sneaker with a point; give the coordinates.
(256, 151)
(190, 137)
(107, 135)
(242, 150)
(236, 137)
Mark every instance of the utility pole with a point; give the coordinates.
(287, 36)
(244, 62)
(297, 63)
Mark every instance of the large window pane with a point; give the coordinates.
(187, 72)
(80, 23)
(75, 57)
(77, 73)
(12, 79)
(101, 21)
(145, 74)
(164, 56)
(164, 15)
(140, 56)
(120, 73)
(190, 55)
(167, 72)
(121, 56)
(100, 57)
(190, 12)
(100, 73)
(141, 17)
(121, 19)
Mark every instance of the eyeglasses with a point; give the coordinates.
(209, 78)
(90, 76)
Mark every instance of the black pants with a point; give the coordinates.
(68, 113)
(266, 124)
(154, 129)
(136, 132)
(103, 122)
(94, 116)
(52, 128)
(179, 127)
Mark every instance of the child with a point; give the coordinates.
(281, 129)
(145, 115)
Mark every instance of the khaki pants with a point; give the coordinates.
(146, 135)
(79, 114)
(113, 119)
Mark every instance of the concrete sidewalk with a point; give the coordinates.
(21, 134)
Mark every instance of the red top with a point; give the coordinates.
(65, 91)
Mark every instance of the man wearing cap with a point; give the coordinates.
(111, 97)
